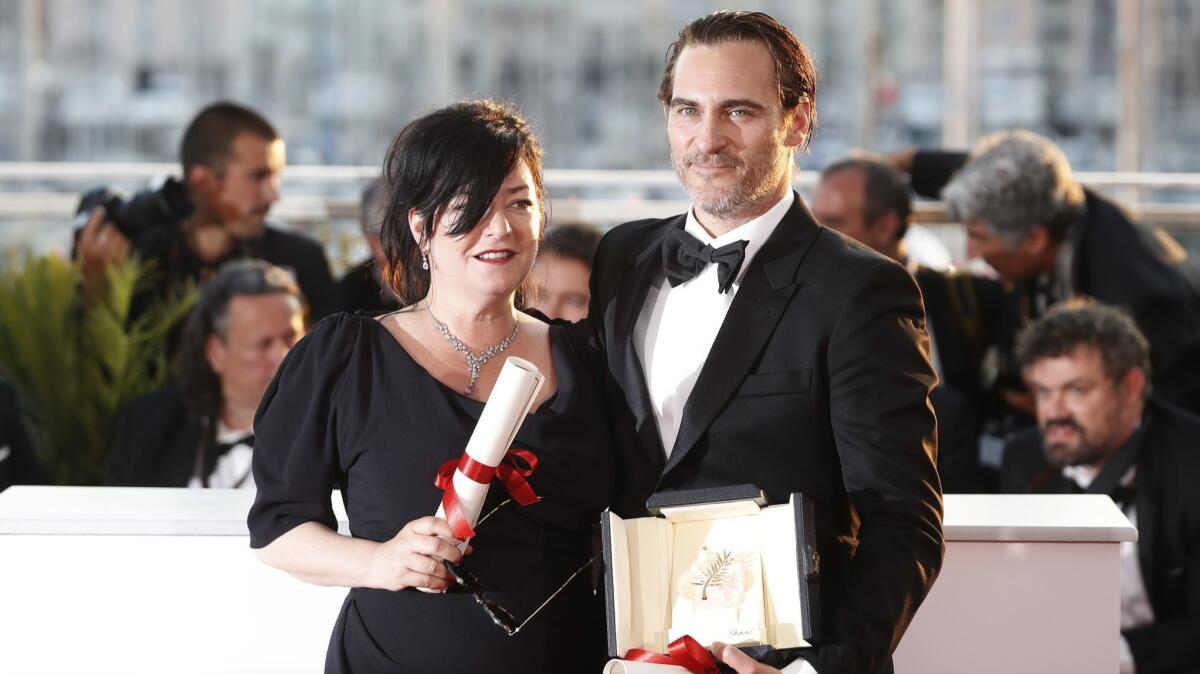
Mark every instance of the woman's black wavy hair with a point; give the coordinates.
(464, 149)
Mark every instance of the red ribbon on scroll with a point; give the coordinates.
(516, 465)
(684, 652)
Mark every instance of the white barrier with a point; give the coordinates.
(153, 580)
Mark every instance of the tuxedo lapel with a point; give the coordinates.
(641, 269)
(768, 286)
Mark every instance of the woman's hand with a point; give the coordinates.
(413, 558)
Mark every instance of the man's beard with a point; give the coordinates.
(754, 182)
(1061, 455)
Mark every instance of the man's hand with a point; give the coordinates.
(739, 661)
(100, 244)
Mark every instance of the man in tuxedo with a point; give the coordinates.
(867, 198)
(748, 344)
(1099, 432)
(198, 432)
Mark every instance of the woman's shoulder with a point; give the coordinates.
(320, 362)
(330, 344)
(343, 329)
(339, 323)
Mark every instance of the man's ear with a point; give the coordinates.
(202, 180)
(888, 226)
(799, 124)
(214, 351)
(1037, 241)
(1133, 386)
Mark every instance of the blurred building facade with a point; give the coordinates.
(116, 80)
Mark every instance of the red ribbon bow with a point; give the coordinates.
(684, 652)
(510, 471)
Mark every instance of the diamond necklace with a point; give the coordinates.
(474, 361)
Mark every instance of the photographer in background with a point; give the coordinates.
(231, 158)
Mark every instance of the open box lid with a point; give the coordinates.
(639, 566)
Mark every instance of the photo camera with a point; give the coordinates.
(166, 204)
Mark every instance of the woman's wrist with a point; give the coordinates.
(371, 571)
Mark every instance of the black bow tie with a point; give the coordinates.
(684, 257)
(223, 448)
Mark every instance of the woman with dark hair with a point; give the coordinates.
(377, 405)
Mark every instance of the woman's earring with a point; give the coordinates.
(424, 262)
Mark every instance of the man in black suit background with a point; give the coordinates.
(867, 198)
(1054, 239)
(361, 288)
(748, 344)
(198, 432)
(1100, 432)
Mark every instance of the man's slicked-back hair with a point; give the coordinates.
(794, 70)
(208, 140)
(462, 150)
(201, 387)
(1086, 322)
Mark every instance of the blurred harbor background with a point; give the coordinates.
(98, 91)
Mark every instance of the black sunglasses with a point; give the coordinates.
(502, 617)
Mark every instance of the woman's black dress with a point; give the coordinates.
(350, 407)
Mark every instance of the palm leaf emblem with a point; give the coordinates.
(715, 573)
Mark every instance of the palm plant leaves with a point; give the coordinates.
(77, 362)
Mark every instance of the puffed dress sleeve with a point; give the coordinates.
(296, 459)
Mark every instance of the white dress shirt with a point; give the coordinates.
(677, 325)
(233, 470)
(1136, 610)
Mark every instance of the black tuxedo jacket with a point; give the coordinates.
(817, 382)
(1168, 515)
(156, 442)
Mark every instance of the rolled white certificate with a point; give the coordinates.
(505, 410)
(632, 667)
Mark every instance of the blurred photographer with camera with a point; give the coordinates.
(232, 158)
